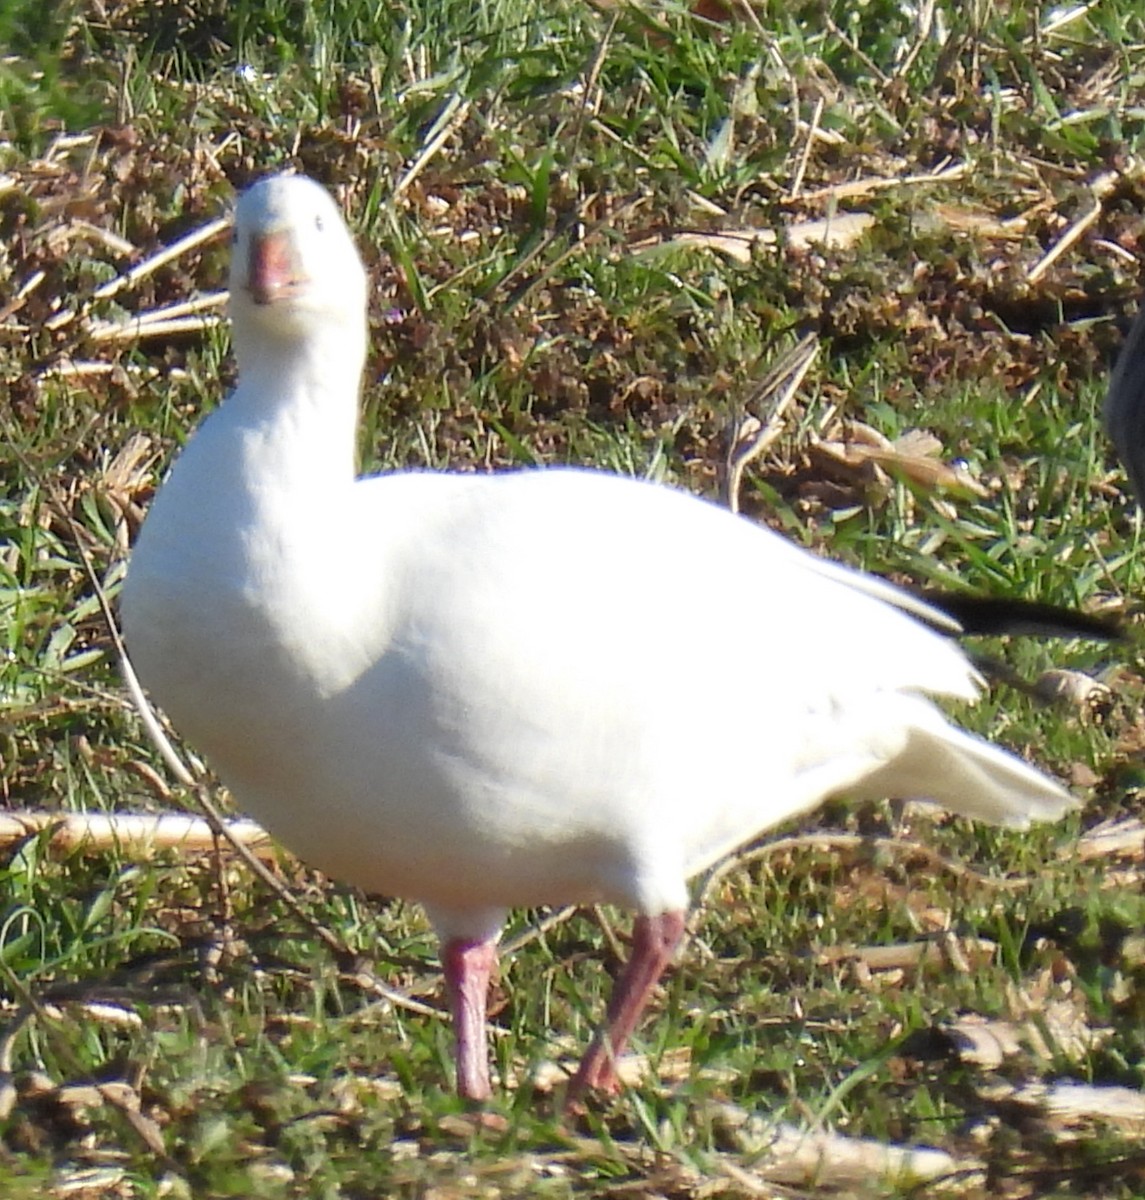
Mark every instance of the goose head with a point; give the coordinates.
(294, 267)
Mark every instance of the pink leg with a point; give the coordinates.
(468, 966)
(654, 942)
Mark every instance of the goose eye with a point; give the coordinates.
(319, 224)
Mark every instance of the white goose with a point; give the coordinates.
(542, 687)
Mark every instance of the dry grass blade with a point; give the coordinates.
(590, 91)
(632, 1070)
(621, 209)
(451, 117)
(1101, 188)
(91, 368)
(23, 292)
(755, 434)
(808, 146)
(911, 458)
(1058, 18)
(137, 329)
(924, 21)
(853, 842)
(948, 172)
(119, 1094)
(536, 930)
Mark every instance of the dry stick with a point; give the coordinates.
(184, 317)
(149, 265)
(839, 1163)
(138, 330)
(133, 833)
(1124, 836)
(113, 287)
(914, 955)
(64, 142)
(182, 308)
(8, 1061)
(753, 437)
(705, 205)
(1098, 556)
(743, 1179)
(214, 817)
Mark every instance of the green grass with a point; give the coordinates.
(544, 314)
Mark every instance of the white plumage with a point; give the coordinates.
(554, 686)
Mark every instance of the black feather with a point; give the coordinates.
(990, 615)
